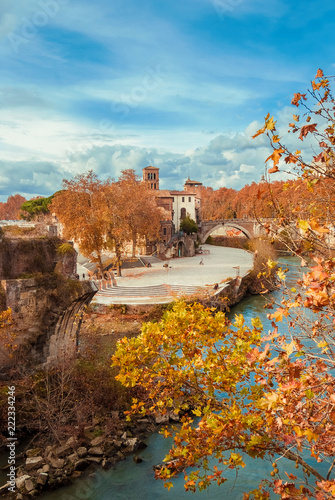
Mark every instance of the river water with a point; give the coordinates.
(131, 481)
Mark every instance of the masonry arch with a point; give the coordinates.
(181, 250)
(208, 231)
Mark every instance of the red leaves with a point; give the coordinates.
(297, 98)
(306, 129)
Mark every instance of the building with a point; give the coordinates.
(151, 176)
(175, 205)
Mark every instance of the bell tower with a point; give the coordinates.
(151, 176)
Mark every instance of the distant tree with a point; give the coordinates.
(188, 225)
(10, 210)
(36, 206)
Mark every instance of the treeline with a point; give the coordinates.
(269, 200)
(10, 209)
(17, 207)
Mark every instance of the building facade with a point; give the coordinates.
(174, 205)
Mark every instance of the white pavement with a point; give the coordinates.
(218, 265)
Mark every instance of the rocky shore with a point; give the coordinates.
(38, 470)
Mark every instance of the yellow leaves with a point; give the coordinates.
(324, 345)
(310, 435)
(271, 264)
(281, 275)
(236, 459)
(296, 118)
(270, 124)
(278, 314)
(256, 323)
(303, 224)
(270, 400)
(289, 348)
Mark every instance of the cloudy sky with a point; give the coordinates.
(180, 84)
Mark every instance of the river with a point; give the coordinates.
(132, 481)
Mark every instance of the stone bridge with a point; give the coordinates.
(251, 228)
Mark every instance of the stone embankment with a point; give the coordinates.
(59, 465)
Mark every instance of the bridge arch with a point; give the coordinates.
(208, 231)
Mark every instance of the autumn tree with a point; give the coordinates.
(245, 392)
(81, 209)
(10, 210)
(140, 212)
(105, 215)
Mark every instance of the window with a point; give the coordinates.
(164, 231)
(152, 186)
(155, 185)
(189, 199)
(172, 199)
(183, 213)
(183, 199)
(154, 176)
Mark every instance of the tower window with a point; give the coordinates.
(189, 199)
(183, 199)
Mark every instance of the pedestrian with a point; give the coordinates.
(201, 263)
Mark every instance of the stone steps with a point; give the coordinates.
(150, 291)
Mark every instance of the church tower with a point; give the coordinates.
(151, 177)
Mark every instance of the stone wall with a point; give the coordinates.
(22, 256)
(47, 302)
(47, 315)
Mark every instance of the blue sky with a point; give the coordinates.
(124, 84)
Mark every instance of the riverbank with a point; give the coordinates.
(178, 277)
(61, 463)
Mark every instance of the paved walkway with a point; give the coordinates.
(185, 275)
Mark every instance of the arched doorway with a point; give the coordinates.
(180, 249)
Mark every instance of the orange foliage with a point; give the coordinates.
(10, 210)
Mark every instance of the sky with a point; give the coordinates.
(181, 85)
